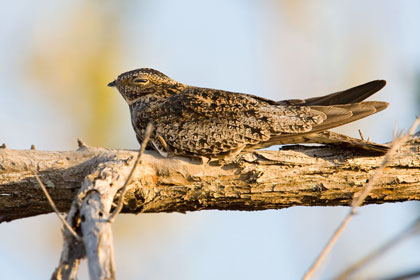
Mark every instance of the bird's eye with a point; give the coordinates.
(140, 81)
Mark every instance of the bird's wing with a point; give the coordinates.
(211, 122)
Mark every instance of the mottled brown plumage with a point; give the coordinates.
(201, 122)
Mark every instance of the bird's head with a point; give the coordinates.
(137, 83)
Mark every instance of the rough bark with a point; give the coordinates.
(298, 175)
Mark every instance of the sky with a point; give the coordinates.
(57, 57)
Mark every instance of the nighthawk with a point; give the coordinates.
(201, 122)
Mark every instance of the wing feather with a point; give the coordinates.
(214, 122)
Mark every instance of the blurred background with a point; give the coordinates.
(57, 57)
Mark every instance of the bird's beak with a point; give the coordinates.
(112, 84)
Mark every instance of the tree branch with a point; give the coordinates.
(298, 175)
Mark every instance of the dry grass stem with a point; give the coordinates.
(407, 232)
(125, 188)
(65, 223)
(358, 200)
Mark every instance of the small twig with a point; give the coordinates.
(65, 223)
(358, 201)
(147, 134)
(407, 232)
(361, 135)
(81, 144)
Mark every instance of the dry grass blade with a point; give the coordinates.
(44, 189)
(358, 201)
(117, 210)
(405, 276)
(407, 232)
